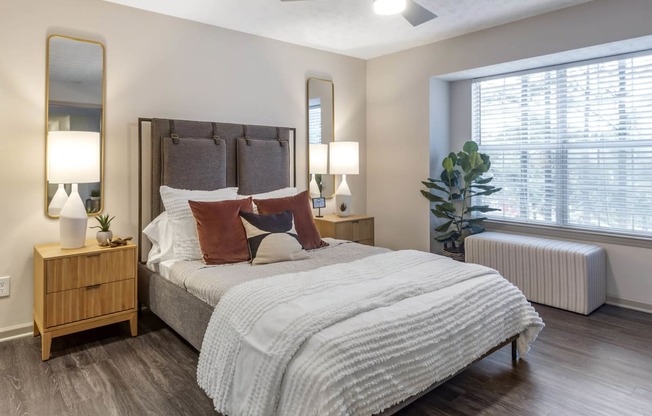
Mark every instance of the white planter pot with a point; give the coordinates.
(104, 237)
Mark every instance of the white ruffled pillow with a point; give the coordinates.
(160, 235)
(181, 220)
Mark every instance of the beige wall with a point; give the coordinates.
(399, 118)
(157, 66)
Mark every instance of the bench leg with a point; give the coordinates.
(514, 351)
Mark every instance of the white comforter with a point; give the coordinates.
(355, 338)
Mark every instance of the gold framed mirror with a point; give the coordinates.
(320, 105)
(74, 123)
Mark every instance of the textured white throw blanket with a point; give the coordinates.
(355, 338)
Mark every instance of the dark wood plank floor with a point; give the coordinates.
(595, 365)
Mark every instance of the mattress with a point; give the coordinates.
(210, 283)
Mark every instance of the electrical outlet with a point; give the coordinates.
(5, 286)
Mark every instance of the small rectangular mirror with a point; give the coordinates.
(321, 131)
(74, 103)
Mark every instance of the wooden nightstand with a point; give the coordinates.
(84, 288)
(358, 228)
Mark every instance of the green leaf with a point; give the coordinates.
(481, 181)
(430, 185)
(435, 180)
(432, 197)
(488, 192)
(451, 235)
(480, 208)
(444, 227)
(456, 196)
(447, 206)
(474, 159)
(470, 146)
(484, 187)
(448, 164)
(442, 214)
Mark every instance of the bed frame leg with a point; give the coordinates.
(514, 351)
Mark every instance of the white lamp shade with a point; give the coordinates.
(344, 158)
(318, 158)
(73, 157)
(387, 7)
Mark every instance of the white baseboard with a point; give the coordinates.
(16, 331)
(629, 304)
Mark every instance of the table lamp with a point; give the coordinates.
(73, 157)
(344, 160)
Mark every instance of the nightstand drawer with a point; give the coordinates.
(355, 230)
(358, 228)
(91, 269)
(88, 302)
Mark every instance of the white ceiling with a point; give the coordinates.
(350, 27)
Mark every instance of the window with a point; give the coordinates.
(314, 121)
(571, 146)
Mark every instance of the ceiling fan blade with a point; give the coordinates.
(416, 14)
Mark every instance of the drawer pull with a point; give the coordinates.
(93, 255)
(93, 286)
(355, 222)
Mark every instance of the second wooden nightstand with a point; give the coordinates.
(82, 288)
(358, 228)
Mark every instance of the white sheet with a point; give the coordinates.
(355, 338)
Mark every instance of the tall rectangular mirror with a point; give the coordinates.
(74, 123)
(321, 131)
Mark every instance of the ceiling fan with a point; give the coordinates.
(411, 11)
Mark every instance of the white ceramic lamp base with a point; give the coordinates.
(73, 221)
(314, 187)
(58, 201)
(343, 199)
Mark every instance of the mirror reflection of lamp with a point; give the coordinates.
(73, 157)
(344, 160)
(318, 165)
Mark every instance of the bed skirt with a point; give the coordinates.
(184, 313)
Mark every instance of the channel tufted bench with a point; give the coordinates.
(562, 274)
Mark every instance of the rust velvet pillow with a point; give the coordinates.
(222, 237)
(299, 205)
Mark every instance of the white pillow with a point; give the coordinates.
(279, 193)
(160, 235)
(181, 220)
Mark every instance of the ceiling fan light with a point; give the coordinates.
(387, 7)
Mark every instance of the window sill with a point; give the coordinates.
(582, 235)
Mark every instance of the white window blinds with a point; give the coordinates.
(314, 121)
(571, 146)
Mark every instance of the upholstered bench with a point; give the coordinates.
(562, 274)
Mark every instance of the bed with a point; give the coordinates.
(350, 329)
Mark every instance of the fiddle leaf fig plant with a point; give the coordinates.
(451, 194)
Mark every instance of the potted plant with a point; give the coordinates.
(95, 200)
(105, 234)
(459, 182)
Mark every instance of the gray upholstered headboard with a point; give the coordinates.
(211, 155)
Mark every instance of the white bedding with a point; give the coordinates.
(358, 337)
(210, 283)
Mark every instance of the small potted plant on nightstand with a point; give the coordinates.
(105, 234)
(459, 182)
